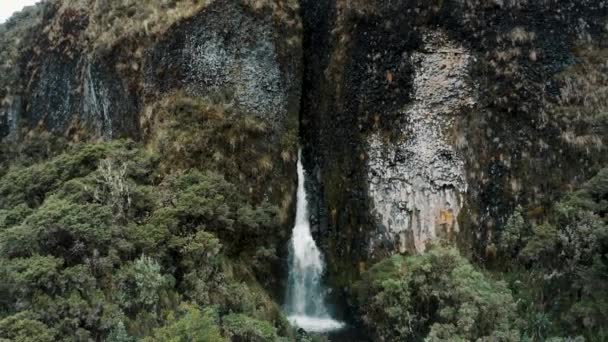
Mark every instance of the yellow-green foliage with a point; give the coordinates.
(112, 21)
(116, 20)
(243, 328)
(582, 106)
(189, 323)
(196, 132)
(183, 251)
(283, 11)
(25, 328)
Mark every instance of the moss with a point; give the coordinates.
(111, 22)
(17, 36)
(200, 133)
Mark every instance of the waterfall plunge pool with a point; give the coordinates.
(315, 324)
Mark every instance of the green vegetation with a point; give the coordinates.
(111, 22)
(243, 328)
(558, 267)
(204, 133)
(37, 147)
(438, 296)
(103, 242)
(554, 282)
(192, 325)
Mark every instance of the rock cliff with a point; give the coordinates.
(91, 67)
(431, 119)
(420, 119)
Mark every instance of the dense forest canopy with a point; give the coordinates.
(97, 242)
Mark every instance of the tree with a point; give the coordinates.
(563, 260)
(189, 324)
(97, 243)
(240, 327)
(435, 296)
(22, 327)
(142, 285)
(513, 233)
(119, 334)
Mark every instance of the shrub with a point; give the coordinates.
(113, 187)
(436, 296)
(189, 324)
(22, 278)
(60, 228)
(511, 238)
(23, 328)
(560, 264)
(205, 200)
(243, 328)
(142, 285)
(97, 243)
(31, 184)
(119, 334)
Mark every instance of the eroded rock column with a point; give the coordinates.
(417, 183)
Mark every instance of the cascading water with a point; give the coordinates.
(305, 296)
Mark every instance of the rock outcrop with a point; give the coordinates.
(419, 119)
(417, 183)
(98, 70)
(89, 69)
(425, 120)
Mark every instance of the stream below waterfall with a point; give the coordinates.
(305, 303)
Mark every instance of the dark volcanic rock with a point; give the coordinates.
(65, 83)
(425, 120)
(420, 120)
(230, 53)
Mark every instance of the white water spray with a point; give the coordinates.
(305, 295)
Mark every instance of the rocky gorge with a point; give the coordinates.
(421, 123)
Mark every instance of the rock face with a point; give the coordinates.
(68, 84)
(420, 119)
(227, 52)
(423, 120)
(57, 85)
(90, 70)
(417, 184)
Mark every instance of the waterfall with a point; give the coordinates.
(305, 305)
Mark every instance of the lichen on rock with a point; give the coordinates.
(417, 183)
